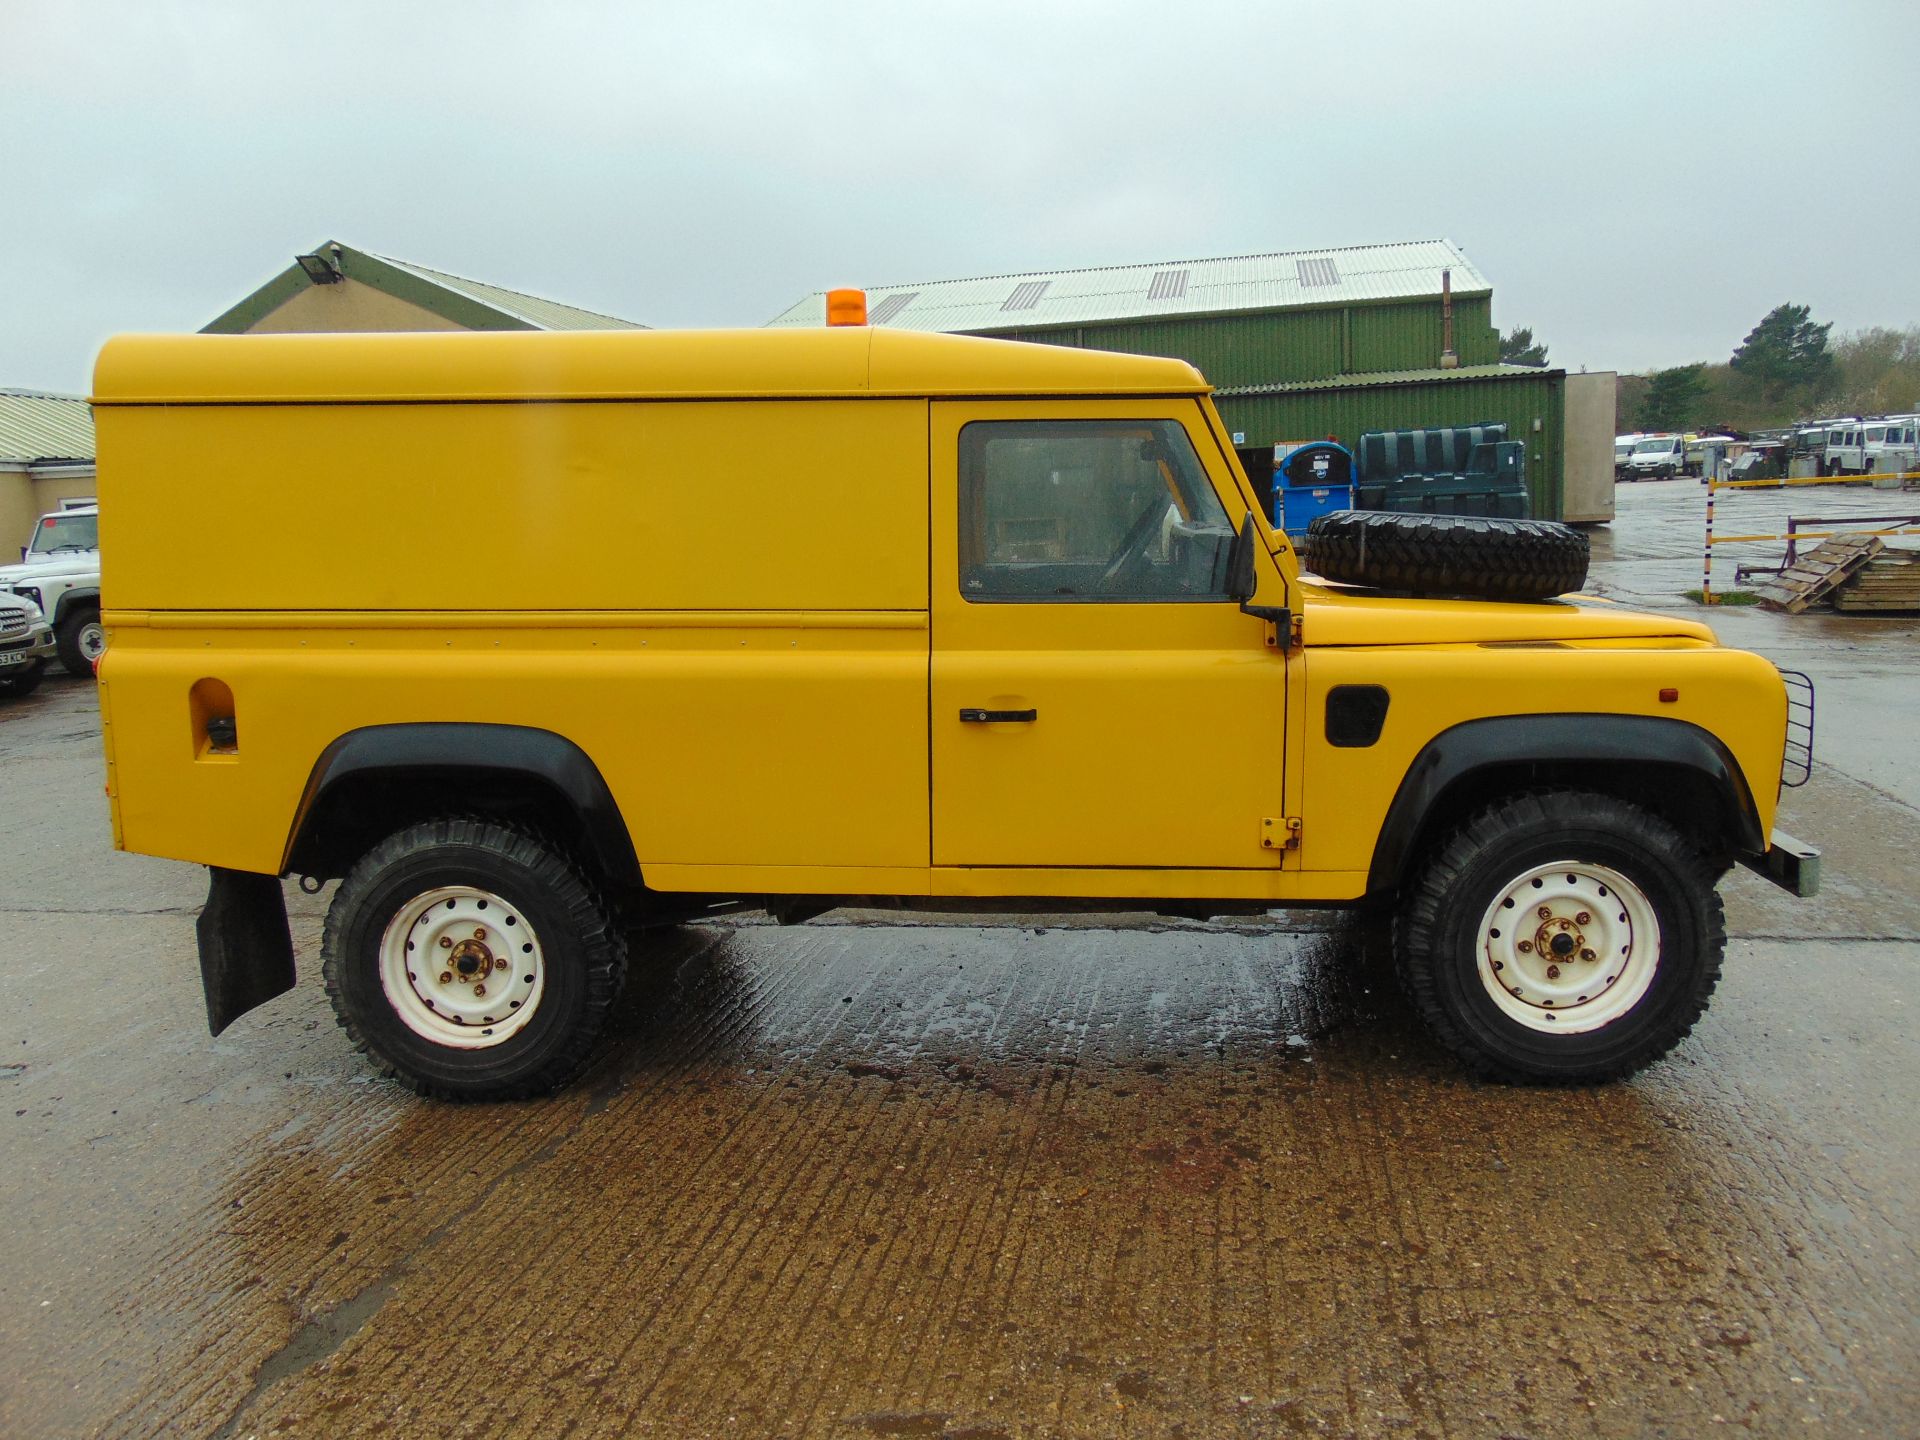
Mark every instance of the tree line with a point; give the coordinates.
(1787, 370)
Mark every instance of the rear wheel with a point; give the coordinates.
(1562, 938)
(472, 961)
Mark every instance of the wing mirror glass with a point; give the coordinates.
(1240, 579)
(1241, 582)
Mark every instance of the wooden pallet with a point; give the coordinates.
(1890, 581)
(1818, 573)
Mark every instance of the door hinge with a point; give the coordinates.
(1298, 632)
(1280, 834)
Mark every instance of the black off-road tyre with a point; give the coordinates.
(18, 684)
(78, 631)
(538, 895)
(1469, 555)
(1441, 935)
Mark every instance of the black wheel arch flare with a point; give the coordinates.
(1673, 759)
(464, 760)
(81, 597)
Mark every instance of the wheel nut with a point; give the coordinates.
(481, 933)
(446, 977)
(1553, 972)
(446, 942)
(480, 990)
(1583, 918)
(1525, 947)
(1588, 955)
(1546, 912)
(499, 964)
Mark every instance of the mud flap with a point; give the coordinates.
(246, 947)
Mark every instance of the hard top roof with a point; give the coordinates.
(604, 365)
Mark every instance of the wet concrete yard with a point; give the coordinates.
(1081, 1179)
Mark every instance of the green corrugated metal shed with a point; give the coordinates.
(1304, 343)
(1531, 402)
(1307, 343)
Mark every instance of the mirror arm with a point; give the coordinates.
(1240, 582)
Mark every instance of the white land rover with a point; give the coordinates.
(59, 571)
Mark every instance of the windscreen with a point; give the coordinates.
(66, 532)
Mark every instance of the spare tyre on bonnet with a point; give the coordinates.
(1448, 554)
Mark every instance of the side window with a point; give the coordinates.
(1080, 510)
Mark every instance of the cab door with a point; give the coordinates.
(1097, 700)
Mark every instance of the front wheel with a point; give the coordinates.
(16, 684)
(80, 640)
(1562, 938)
(472, 961)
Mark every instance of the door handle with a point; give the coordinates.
(996, 717)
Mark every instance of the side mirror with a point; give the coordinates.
(1240, 582)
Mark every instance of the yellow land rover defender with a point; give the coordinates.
(535, 640)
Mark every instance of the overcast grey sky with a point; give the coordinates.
(1640, 181)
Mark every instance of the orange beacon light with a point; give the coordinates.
(846, 307)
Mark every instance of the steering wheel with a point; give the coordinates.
(1133, 545)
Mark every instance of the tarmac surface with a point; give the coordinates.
(1050, 1179)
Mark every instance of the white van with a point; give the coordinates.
(1891, 445)
(1623, 451)
(1845, 452)
(1656, 457)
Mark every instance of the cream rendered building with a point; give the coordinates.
(46, 457)
(338, 288)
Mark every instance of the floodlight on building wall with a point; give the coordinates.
(321, 269)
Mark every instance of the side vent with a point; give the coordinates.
(1356, 714)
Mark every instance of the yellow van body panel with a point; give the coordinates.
(724, 566)
(1115, 771)
(747, 744)
(1734, 696)
(598, 365)
(1343, 616)
(529, 508)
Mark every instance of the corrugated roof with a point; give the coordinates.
(1131, 292)
(539, 313)
(1391, 377)
(35, 425)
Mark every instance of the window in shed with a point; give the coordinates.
(1026, 295)
(1321, 271)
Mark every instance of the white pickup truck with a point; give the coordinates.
(59, 571)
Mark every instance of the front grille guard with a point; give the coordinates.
(1797, 764)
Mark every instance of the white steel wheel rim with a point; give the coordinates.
(461, 967)
(1568, 948)
(93, 640)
